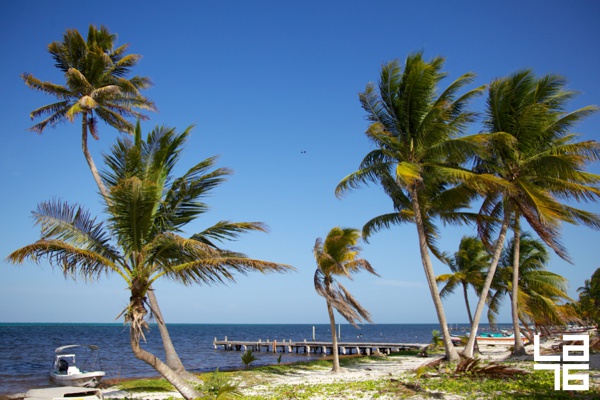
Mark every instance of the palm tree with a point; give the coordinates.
(469, 267)
(540, 165)
(140, 240)
(338, 256)
(589, 297)
(96, 87)
(418, 155)
(539, 290)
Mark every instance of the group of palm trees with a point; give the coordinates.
(525, 166)
(541, 294)
(147, 206)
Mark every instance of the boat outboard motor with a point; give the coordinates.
(63, 365)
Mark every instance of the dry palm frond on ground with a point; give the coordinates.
(471, 366)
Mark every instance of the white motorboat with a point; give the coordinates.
(66, 372)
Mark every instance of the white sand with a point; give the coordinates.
(372, 370)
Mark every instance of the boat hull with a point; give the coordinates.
(86, 379)
(497, 341)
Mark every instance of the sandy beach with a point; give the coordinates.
(371, 370)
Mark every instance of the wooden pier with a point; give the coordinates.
(324, 348)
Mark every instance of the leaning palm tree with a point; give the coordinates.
(96, 87)
(418, 154)
(469, 267)
(541, 292)
(140, 240)
(338, 256)
(540, 166)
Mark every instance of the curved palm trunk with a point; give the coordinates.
(468, 351)
(519, 349)
(88, 156)
(336, 356)
(186, 390)
(172, 358)
(136, 319)
(451, 353)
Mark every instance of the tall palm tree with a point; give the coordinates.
(418, 155)
(96, 87)
(140, 240)
(540, 292)
(338, 256)
(469, 267)
(540, 166)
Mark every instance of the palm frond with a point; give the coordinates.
(226, 230)
(72, 260)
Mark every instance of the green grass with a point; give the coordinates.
(146, 385)
(538, 384)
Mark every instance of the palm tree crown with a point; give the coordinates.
(469, 267)
(338, 256)
(418, 155)
(542, 163)
(96, 88)
(539, 164)
(140, 241)
(96, 83)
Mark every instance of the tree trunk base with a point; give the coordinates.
(519, 352)
(190, 377)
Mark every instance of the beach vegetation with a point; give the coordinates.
(220, 386)
(338, 255)
(419, 150)
(145, 385)
(540, 168)
(471, 380)
(248, 358)
(537, 384)
(436, 339)
(213, 381)
(472, 366)
(140, 239)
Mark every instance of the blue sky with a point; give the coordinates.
(264, 81)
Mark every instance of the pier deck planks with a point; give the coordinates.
(316, 347)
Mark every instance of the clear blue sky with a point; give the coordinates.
(263, 81)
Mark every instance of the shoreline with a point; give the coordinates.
(372, 370)
(376, 368)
